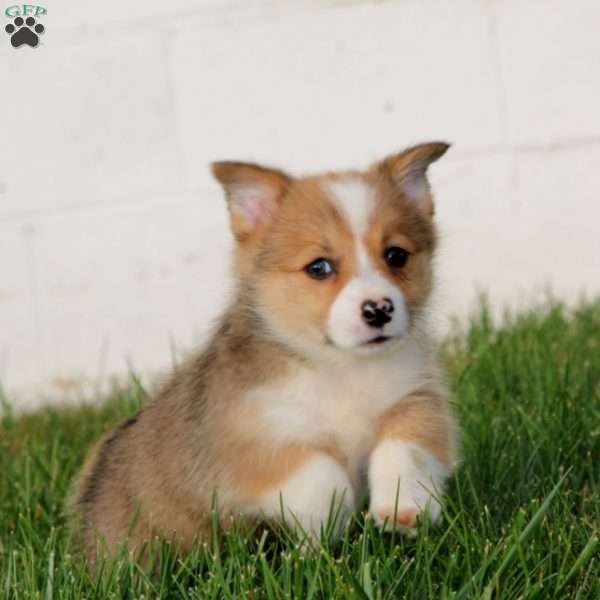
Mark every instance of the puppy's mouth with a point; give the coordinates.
(376, 341)
(368, 346)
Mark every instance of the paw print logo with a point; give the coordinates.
(24, 32)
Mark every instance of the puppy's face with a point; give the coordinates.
(341, 260)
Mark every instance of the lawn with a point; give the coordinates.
(522, 513)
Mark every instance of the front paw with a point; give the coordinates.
(405, 514)
(404, 482)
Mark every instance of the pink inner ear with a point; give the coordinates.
(414, 185)
(255, 209)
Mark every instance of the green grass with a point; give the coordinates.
(522, 514)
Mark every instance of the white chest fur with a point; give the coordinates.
(342, 401)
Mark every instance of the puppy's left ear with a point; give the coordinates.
(408, 172)
(253, 195)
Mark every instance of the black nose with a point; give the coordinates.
(377, 314)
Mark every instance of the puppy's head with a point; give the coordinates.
(340, 260)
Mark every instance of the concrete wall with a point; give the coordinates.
(113, 237)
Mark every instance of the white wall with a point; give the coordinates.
(113, 237)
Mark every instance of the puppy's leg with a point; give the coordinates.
(305, 487)
(411, 459)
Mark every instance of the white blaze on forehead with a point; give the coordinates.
(353, 197)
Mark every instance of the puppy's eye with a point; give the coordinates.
(319, 269)
(396, 257)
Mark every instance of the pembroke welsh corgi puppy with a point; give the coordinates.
(319, 386)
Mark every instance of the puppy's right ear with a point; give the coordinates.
(408, 172)
(253, 195)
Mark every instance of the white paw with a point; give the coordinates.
(317, 496)
(404, 481)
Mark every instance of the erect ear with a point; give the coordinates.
(408, 172)
(253, 194)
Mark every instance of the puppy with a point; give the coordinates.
(318, 388)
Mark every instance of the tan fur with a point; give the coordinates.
(283, 287)
(158, 474)
(423, 418)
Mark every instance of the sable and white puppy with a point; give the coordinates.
(319, 384)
